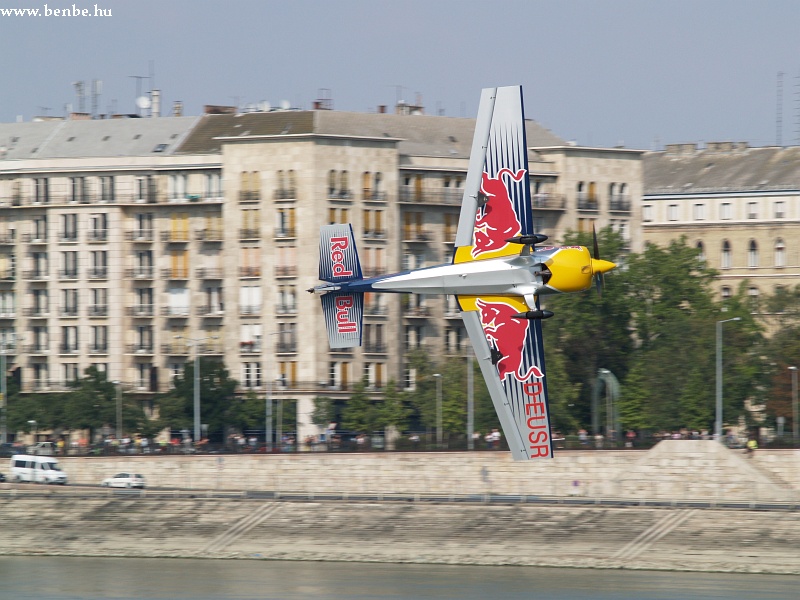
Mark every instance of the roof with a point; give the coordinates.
(92, 138)
(721, 168)
(417, 135)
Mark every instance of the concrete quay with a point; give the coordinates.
(92, 522)
(672, 470)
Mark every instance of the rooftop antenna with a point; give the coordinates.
(80, 88)
(97, 90)
(138, 79)
(779, 112)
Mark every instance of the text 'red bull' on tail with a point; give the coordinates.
(338, 263)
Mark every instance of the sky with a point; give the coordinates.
(636, 73)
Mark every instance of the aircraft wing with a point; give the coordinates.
(497, 206)
(510, 354)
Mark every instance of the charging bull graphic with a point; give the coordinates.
(497, 220)
(508, 336)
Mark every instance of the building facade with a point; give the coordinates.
(133, 244)
(739, 206)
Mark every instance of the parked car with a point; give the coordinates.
(124, 480)
(42, 449)
(2, 478)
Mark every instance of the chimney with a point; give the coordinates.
(155, 110)
(177, 108)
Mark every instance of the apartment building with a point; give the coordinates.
(131, 244)
(739, 206)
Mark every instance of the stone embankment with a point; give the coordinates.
(209, 521)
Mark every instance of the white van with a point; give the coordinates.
(37, 469)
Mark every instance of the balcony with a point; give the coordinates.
(175, 237)
(285, 271)
(36, 275)
(375, 348)
(8, 313)
(620, 203)
(334, 194)
(175, 312)
(286, 194)
(97, 349)
(139, 349)
(97, 235)
(37, 349)
(215, 348)
(286, 347)
(7, 275)
(140, 235)
(208, 235)
(375, 310)
(249, 234)
(586, 202)
(250, 196)
(417, 236)
(68, 274)
(68, 349)
(549, 201)
(249, 271)
(373, 271)
(140, 310)
(35, 238)
(286, 309)
(97, 310)
(209, 273)
(8, 239)
(98, 273)
(449, 196)
(375, 234)
(283, 233)
(417, 312)
(248, 310)
(215, 310)
(176, 349)
(176, 273)
(250, 347)
(68, 237)
(140, 273)
(68, 311)
(36, 312)
(374, 196)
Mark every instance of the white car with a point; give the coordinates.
(124, 480)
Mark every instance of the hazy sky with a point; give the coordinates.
(600, 72)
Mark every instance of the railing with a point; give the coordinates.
(177, 273)
(286, 194)
(175, 311)
(37, 349)
(286, 347)
(210, 311)
(208, 235)
(586, 202)
(98, 349)
(36, 311)
(176, 349)
(249, 271)
(97, 310)
(285, 232)
(249, 196)
(375, 234)
(375, 348)
(334, 194)
(417, 235)
(68, 236)
(374, 196)
(249, 234)
(247, 309)
(620, 203)
(98, 273)
(549, 201)
(34, 238)
(286, 309)
(97, 235)
(175, 237)
(140, 273)
(8, 238)
(140, 235)
(140, 310)
(68, 349)
(409, 195)
(285, 271)
(208, 273)
(139, 349)
(68, 274)
(36, 275)
(249, 347)
(68, 311)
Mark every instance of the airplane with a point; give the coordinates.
(497, 274)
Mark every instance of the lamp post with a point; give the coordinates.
(34, 430)
(795, 424)
(195, 342)
(470, 402)
(119, 409)
(718, 420)
(268, 411)
(4, 345)
(438, 377)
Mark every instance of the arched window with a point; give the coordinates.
(725, 263)
(701, 256)
(780, 253)
(752, 254)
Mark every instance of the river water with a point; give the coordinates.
(68, 578)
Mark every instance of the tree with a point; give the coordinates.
(359, 414)
(218, 407)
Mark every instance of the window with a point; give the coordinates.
(70, 264)
(41, 190)
(752, 254)
(753, 296)
(701, 251)
(250, 300)
(69, 227)
(99, 342)
(725, 263)
(251, 374)
(69, 303)
(69, 339)
(70, 372)
(107, 188)
(672, 212)
(177, 186)
(145, 189)
(699, 212)
(98, 227)
(780, 253)
(725, 211)
(725, 292)
(780, 209)
(752, 210)
(213, 186)
(78, 190)
(647, 213)
(143, 376)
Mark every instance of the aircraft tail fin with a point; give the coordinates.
(344, 318)
(338, 263)
(338, 258)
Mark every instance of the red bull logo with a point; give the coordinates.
(338, 246)
(344, 322)
(508, 336)
(497, 220)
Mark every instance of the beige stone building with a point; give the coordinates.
(131, 244)
(739, 205)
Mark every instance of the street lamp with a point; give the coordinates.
(4, 346)
(470, 402)
(195, 342)
(718, 421)
(795, 429)
(438, 377)
(268, 415)
(34, 430)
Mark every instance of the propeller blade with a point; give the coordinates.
(594, 242)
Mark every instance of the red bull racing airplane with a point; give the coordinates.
(498, 273)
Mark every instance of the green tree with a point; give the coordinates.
(359, 414)
(392, 410)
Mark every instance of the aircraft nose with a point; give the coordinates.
(601, 266)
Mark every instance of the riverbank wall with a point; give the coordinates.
(672, 470)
